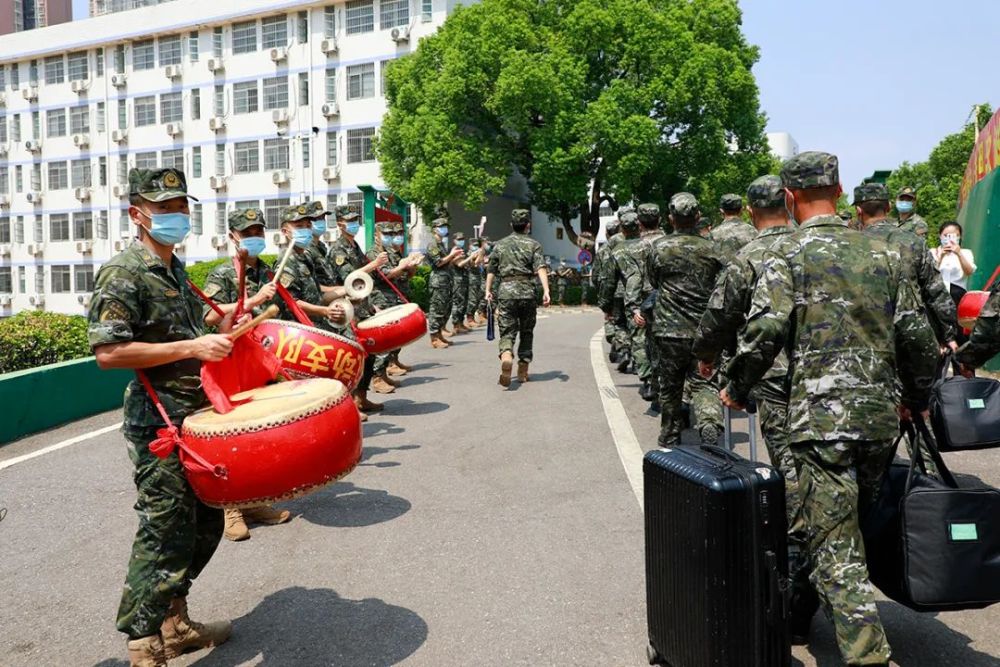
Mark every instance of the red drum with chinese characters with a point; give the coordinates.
(392, 328)
(306, 351)
(286, 440)
(969, 307)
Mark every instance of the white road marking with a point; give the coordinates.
(627, 444)
(59, 445)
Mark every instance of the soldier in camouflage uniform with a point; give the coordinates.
(732, 233)
(906, 203)
(301, 278)
(246, 230)
(476, 279)
(725, 316)
(317, 249)
(440, 284)
(459, 287)
(984, 342)
(405, 269)
(516, 260)
(639, 290)
(382, 297)
(857, 321)
(563, 275)
(143, 315)
(683, 268)
(601, 258)
(611, 296)
(621, 259)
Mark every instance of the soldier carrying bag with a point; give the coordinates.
(931, 544)
(965, 412)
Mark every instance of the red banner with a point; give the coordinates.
(984, 159)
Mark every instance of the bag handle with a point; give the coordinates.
(926, 440)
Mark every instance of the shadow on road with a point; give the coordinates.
(345, 505)
(428, 365)
(303, 626)
(371, 429)
(369, 452)
(405, 407)
(548, 376)
(417, 381)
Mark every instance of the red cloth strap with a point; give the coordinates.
(394, 288)
(989, 283)
(207, 299)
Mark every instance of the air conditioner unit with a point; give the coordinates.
(119, 136)
(34, 197)
(172, 71)
(180, 247)
(217, 124)
(36, 248)
(84, 247)
(215, 65)
(4, 201)
(79, 85)
(118, 80)
(30, 93)
(279, 116)
(83, 194)
(280, 177)
(119, 190)
(5, 250)
(280, 239)
(37, 300)
(219, 242)
(331, 109)
(174, 129)
(279, 53)
(217, 182)
(83, 300)
(33, 145)
(400, 34)
(331, 173)
(5, 300)
(81, 140)
(328, 46)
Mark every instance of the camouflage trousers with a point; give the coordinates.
(637, 343)
(584, 293)
(440, 305)
(678, 368)
(620, 338)
(837, 481)
(176, 538)
(475, 296)
(561, 294)
(459, 297)
(516, 317)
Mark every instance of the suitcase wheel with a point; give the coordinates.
(653, 655)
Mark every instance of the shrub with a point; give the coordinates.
(33, 338)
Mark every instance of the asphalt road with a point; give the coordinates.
(483, 527)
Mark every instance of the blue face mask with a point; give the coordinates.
(398, 240)
(386, 240)
(254, 245)
(352, 228)
(460, 244)
(904, 206)
(319, 227)
(302, 237)
(443, 232)
(169, 228)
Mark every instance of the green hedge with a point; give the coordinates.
(34, 338)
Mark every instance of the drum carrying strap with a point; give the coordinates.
(169, 438)
(394, 288)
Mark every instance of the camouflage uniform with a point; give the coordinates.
(459, 287)
(601, 258)
(838, 304)
(562, 281)
(475, 284)
(984, 342)
(638, 287)
(683, 269)
(346, 257)
(623, 257)
(914, 224)
(515, 259)
(137, 298)
(382, 295)
(222, 284)
(732, 233)
(611, 294)
(440, 283)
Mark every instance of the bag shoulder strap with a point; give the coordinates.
(927, 441)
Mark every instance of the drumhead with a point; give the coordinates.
(389, 315)
(289, 324)
(269, 406)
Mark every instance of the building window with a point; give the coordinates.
(331, 148)
(143, 55)
(55, 123)
(15, 127)
(219, 101)
(306, 153)
(361, 81)
(145, 160)
(101, 118)
(36, 175)
(4, 179)
(196, 223)
(99, 62)
(170, 50)
(58, 176)
(33, 72)
(4, 230)
(220, 159)
(359, 145)
(393, 13)
(102, 170)
(80, 173)
(171, 107)
(55, 70)
(274, 31)
(276, 92)
(217, 42)
(58, 227)
(360, 16)
(272, 211)
(331, 85)
(122, 170)
(330, 21)
(247, 155)
(19, 231)
(6, 280)
(79, 120)
(18, 179)
(356, 201)
(60, 279)
(39, 232)
(172, 159)
(83, 226)
(3, 129)
(77, 66)
(122, 114)
(246, 203)
(83, 277)
(145, 111)
(275, 154)
(195, 104)
(303, 24)
(15, 76)
(303, 88)
(3, 77)
(196, 162)
(36, 124)
(245, 37)
(119, 59)
(245, 97)
(39, 280)
(426, 10)
(220, 219)
(124, 223)
(193, 47)
(102, 224)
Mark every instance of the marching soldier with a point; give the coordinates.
(639, 289)
(906, 204)
(611, 295)
(459, 287)
(852, 312)
(517, 259)
(601, 257)
(475, 265)
(615, 272)
(143, 315)
(563, 276)
(440, 284)
(732, 233)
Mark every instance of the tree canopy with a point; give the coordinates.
(638, 98)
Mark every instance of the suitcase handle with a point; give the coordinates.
(720, 453)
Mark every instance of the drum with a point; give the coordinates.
(969, 307)
(307, 351)
(392, 328)
(287, 440)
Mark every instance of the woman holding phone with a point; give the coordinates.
(954, 262)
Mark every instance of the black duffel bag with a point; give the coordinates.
(930, 544)
(965, 412)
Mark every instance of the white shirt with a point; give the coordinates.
(951, 268)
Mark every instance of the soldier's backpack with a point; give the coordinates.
(965, 412)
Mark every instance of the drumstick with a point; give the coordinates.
(269, 313)
(284, 260)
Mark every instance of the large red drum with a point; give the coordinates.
(307, 351)
(287, 440)
(969, 307)
(392, 328)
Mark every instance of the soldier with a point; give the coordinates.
(516, 259)
(984, 342)
(563, 276)
(246, 230)
(586, 242)
(639, 296)
(407, 267)
(683, 269)
(383, 297)
(725, 316)
(597, 272)
(906, 204)
(616, 273)
(475, 265)
(317, 249)
(732, 233)
(459, 287)
(611, 297)
(441, 260)
(144, 315)
(852, 312)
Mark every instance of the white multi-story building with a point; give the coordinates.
(783, 145)
(262, 102)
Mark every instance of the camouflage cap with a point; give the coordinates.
(846, 216)
(683, 203)
(907, 191)
(612, 227)
(317, 209)
(731, 202)
(766, 192)
(870, 192)
(296, 212)
(622, 211)
(630, 220)
(346, 213)
(158, 185)
(520, 215)
(384, 227)
(458, 236)
(440, 222)
(812, 169)
(648, 212)
(244, 218)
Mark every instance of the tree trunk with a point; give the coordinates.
(566, 217)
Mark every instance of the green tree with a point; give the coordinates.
(639, 98)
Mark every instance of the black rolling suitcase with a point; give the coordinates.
(716, 560)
